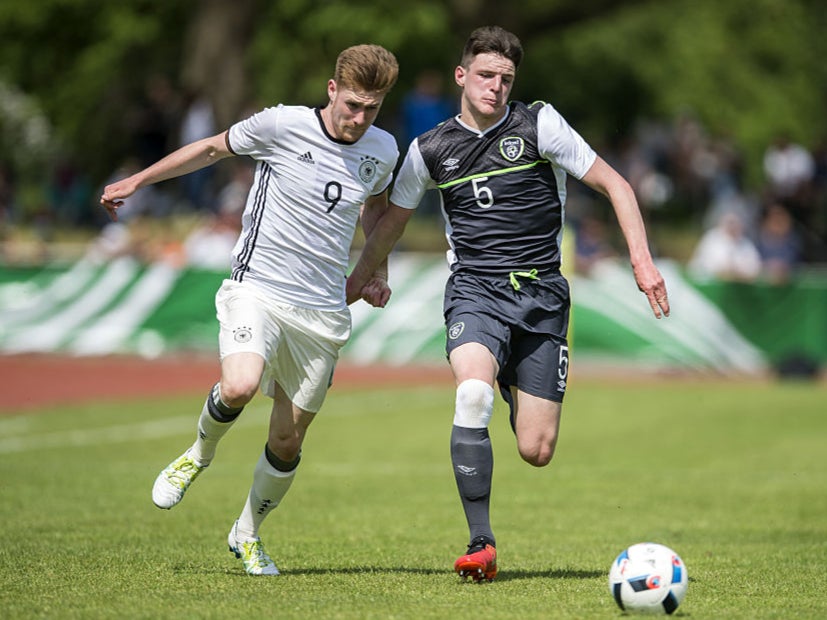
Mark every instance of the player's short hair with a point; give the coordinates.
(492, 40)
(368, 68)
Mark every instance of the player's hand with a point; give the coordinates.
(651, 284)
(353, 290)
(113, 195)
(376, 292)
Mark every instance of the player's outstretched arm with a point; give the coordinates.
(606, 180)
(386, 232)
(188, 158)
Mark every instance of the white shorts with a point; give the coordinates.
(300, 346)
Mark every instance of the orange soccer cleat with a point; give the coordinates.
(480, 562)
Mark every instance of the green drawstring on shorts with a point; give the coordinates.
(531, 275)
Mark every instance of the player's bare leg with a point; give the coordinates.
(240, 374)
(536, 425)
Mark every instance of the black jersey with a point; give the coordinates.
(503, 190)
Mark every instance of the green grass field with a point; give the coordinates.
(732, 476)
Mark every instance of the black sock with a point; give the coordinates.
(276, 462)
(219, 410)
(473, 461)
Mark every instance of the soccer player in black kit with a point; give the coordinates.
(500, 168)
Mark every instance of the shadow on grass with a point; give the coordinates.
(504, 575)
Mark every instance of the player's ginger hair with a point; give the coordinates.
(368, 68)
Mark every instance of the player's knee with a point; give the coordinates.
(286, 444)
(285, 449)
(538, 452)
(474, 404)
(238, 391)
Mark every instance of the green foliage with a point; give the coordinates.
(87, 63)
(747, 68)
(372, 525)
(296, 42)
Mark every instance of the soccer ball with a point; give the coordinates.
(648, 578)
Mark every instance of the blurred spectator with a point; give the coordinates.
(146, 201)
(198, 122)
(154, 120)
(725, 252)
(233, 196)
(425, 106)
(732, 201)
(114, 240)
(6, 202)
(778, 244)
(70, 193)
(788, 166)
(591, 244)
(126, 236)
(210, 244)
(688, 164)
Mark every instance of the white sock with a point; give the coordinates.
(210, 432)
(269, 487)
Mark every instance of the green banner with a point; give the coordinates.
(125, 307)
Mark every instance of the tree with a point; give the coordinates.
(748, 68)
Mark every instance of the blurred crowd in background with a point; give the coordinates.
(684, 178)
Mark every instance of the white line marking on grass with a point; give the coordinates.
(97, 436)
(122, 433)
(254, 415)
(15, 425)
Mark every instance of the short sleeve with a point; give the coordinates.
(255, 135)
(413, 179)
(558, 142)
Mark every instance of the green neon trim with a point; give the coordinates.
(482, 175)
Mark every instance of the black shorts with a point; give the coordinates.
(525, 330)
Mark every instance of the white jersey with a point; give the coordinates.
(303, 207)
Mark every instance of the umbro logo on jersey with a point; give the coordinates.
(307, 158)
(450, 164)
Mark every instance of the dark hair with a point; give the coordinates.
(492, 40)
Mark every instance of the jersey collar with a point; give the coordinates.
(490, 129)
(318, 112)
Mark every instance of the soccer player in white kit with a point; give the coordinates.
(282, 313)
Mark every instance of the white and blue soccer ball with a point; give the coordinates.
(648, 578)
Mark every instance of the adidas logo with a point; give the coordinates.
(307, 158)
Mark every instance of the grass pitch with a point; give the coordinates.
(732, 476)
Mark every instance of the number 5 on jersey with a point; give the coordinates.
(483, 194)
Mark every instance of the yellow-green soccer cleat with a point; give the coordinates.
(174, 480)
(252, 554)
